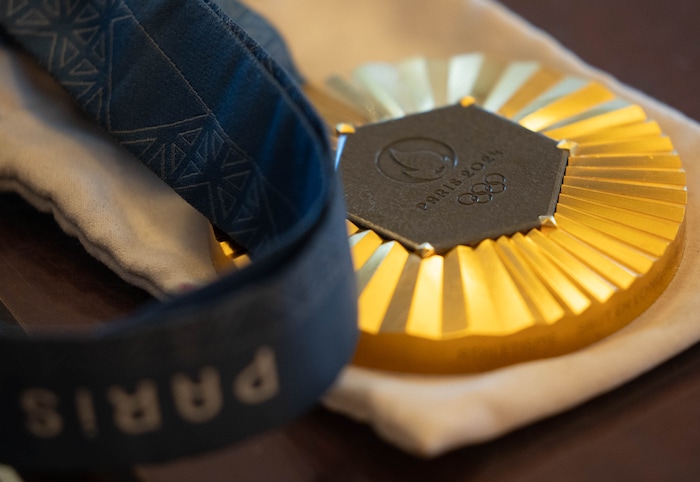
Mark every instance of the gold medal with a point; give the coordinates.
(535, 214)
(520, 262)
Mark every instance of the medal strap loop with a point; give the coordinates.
(190, 94)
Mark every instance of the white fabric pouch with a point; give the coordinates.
(119, 214)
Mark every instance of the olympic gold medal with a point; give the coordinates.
(498, 212)
(533, 215)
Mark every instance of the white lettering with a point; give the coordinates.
(136, 413)
(258, 381)
(198, 402)
(86, 412)
(40, 405)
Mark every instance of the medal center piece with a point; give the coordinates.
(448, 177)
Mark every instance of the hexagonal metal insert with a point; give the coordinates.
(451, 176)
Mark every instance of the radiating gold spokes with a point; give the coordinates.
(611, 250)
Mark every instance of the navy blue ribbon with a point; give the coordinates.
(205, 107)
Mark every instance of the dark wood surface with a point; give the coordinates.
(648, 429)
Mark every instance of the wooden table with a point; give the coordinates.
(648, 429)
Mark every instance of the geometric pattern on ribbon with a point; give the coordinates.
(119, 75)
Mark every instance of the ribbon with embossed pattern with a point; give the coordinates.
(190, 94)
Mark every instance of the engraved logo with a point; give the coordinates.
(482, 192)
(416, 160)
